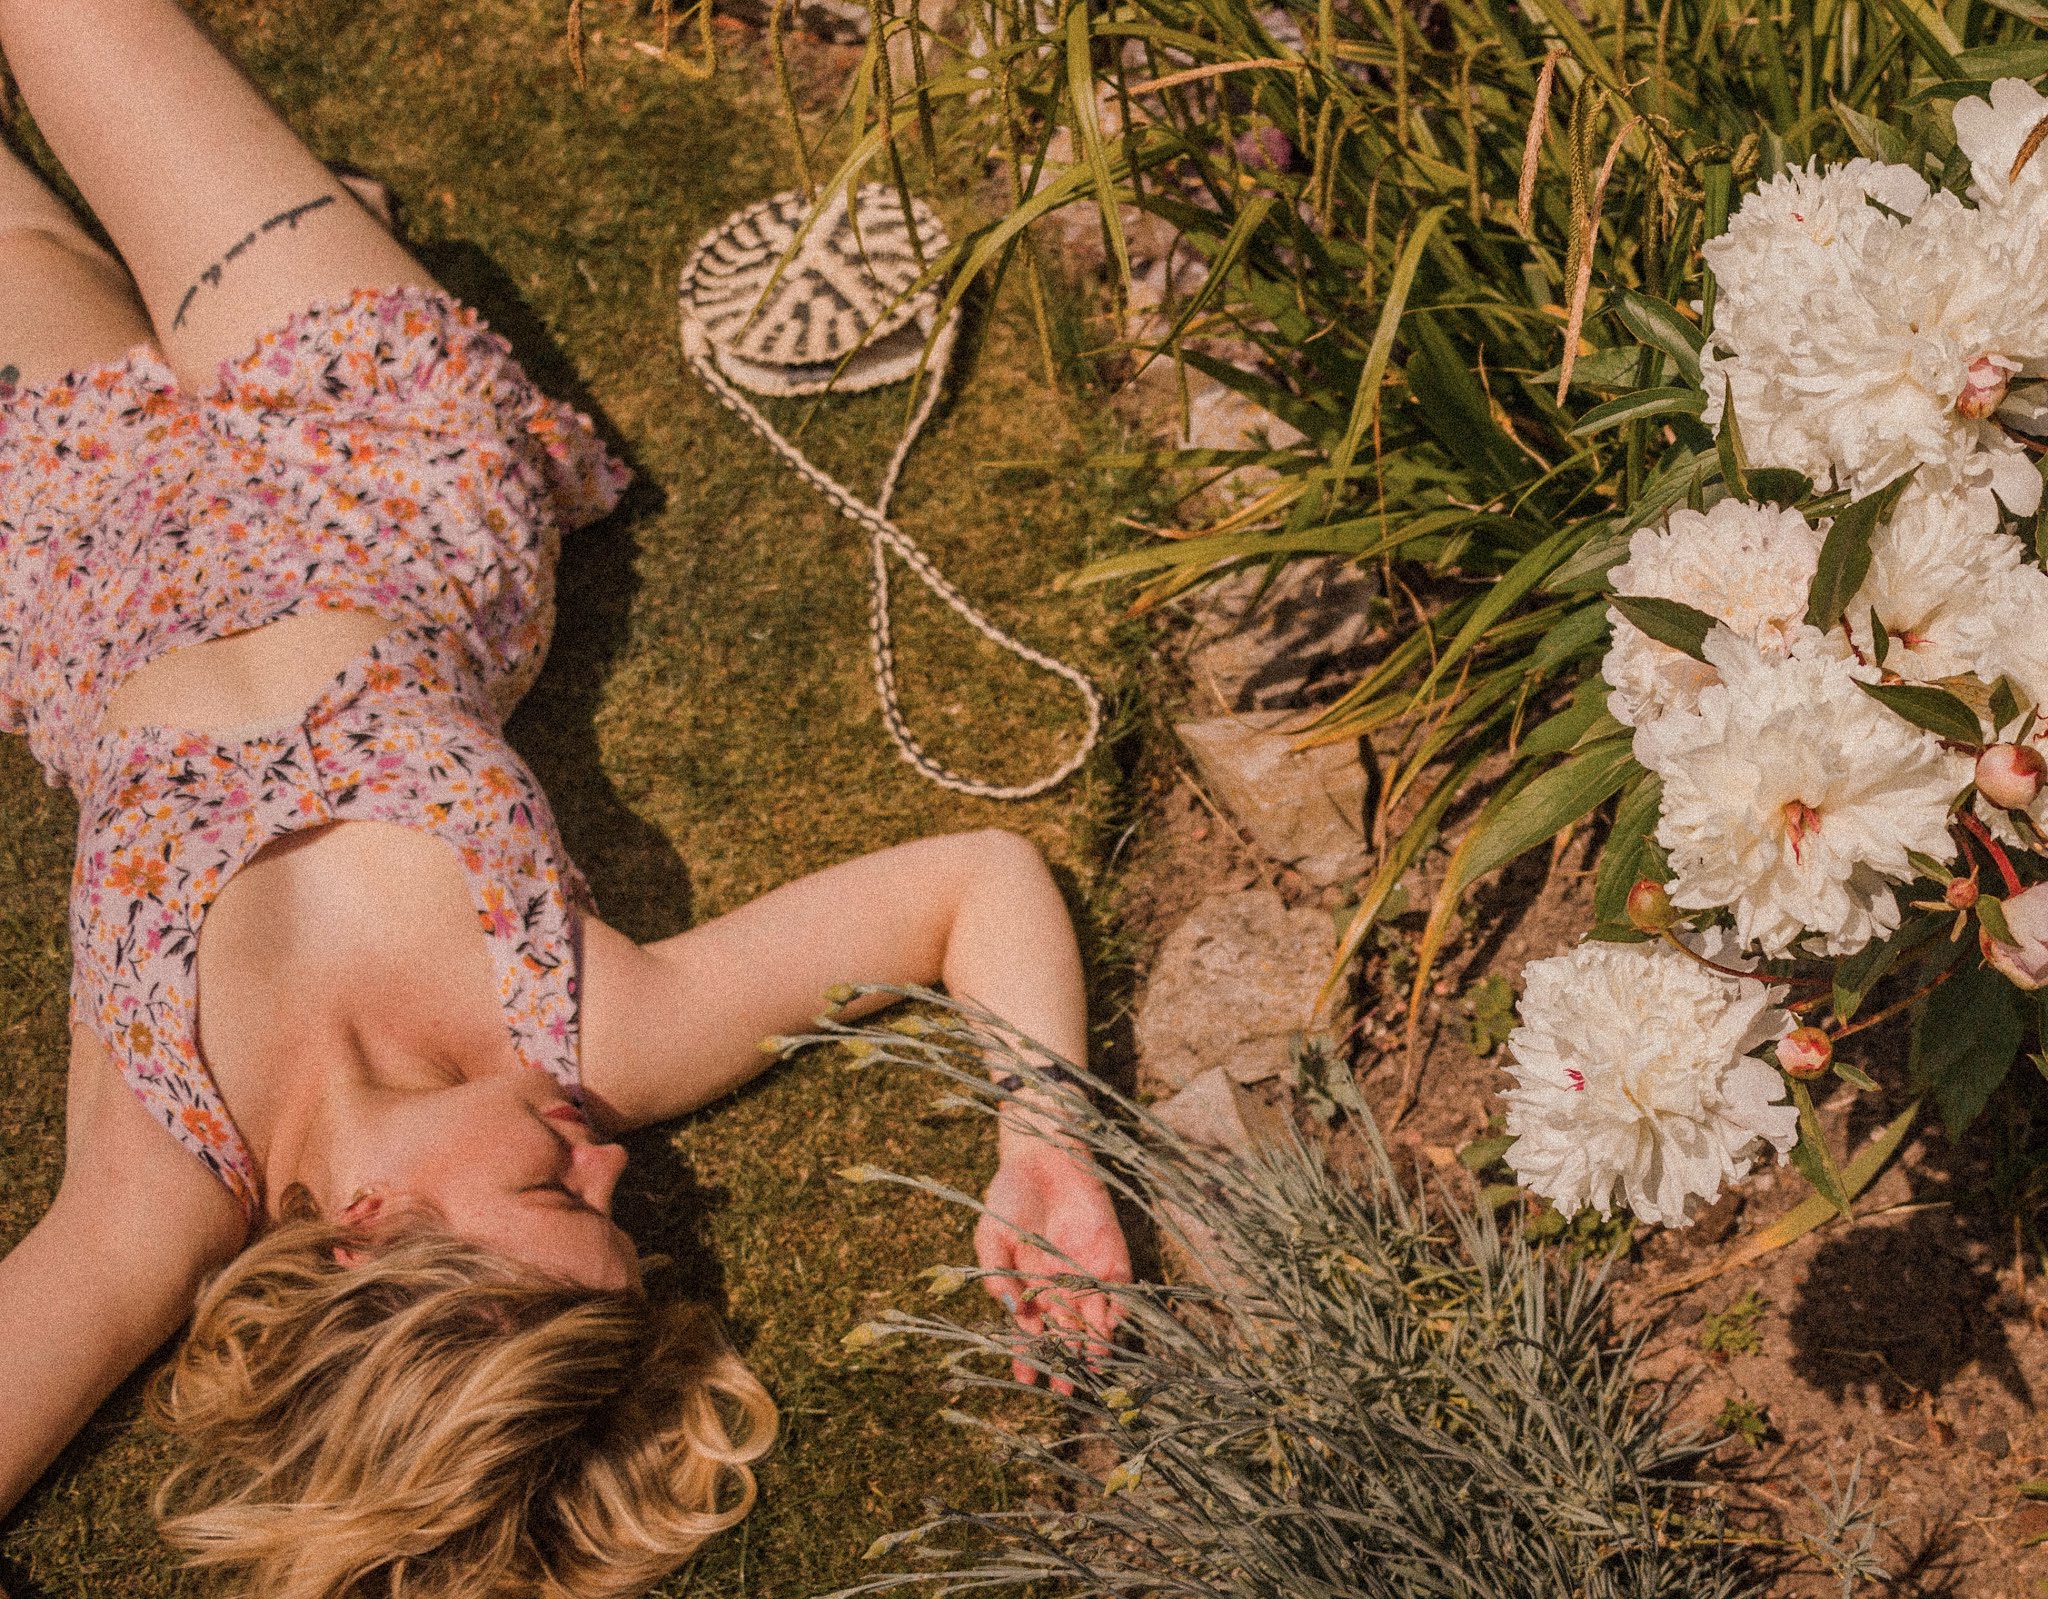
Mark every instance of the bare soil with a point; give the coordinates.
(1907, 1348)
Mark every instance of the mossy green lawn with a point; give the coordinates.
(705, 725)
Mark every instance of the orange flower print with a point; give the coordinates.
(496, 915)
(298, 483)
(204, 1125)
(137, 875)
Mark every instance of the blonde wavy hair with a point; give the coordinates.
(434, 1420)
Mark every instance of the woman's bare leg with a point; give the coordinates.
(64, 302)
(227, 221)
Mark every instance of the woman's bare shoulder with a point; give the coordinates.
(134, 1177)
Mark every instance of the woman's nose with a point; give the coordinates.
(594, 1172)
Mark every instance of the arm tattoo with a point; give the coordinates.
(10, 375)
(211, 277)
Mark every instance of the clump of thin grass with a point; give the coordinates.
(1376, 1393)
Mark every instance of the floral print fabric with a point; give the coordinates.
(384, 453)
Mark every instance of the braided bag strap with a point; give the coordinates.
(784, 301)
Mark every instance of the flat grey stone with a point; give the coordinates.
(1303, 808)
(1215, 1112)
(1301, 644)
(1234, 986)
(834, 21)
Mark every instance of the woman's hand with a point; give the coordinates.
(1046, 1188)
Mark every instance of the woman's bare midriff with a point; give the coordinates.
(247, 681)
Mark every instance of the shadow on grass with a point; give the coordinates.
(641, 884)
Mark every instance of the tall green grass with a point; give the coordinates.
(1485, 240)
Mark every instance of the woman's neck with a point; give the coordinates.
(342, 1082)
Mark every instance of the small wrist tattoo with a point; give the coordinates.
(10, 375)
(211, 277)
(1058, 1076)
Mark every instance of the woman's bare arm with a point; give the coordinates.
(671, 1026)
(107, 1275)
(674, 1025)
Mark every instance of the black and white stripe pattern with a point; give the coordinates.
(790, 299)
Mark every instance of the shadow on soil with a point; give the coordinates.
(1896, 1309)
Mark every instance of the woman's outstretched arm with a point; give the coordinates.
(107, 1275)
(674, 1025)
(671, 1026)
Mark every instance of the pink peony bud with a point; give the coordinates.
(1961, 893)
(1649, 908)
(2026, 960)
(1805, 1052)
(2009, 775)
(1984, 386)
(1270, 150)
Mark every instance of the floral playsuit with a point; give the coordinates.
(384, 453)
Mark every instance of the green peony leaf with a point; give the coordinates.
(1669, 622)
(1965, 1040)
(1934, 709)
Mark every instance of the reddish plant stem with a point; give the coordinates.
(1690, 953)
(1895, 1007)
(1994, 849)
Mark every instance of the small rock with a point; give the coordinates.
(1216, 1113)
(1994, 1443)
(1234, 985)
(1690, 1314)
(1912, 1430)
(932, 16)
(1202, 413)
(2030, 1523)
(834, 21)
(1303, 808)
(1220, 418)
(1301, 644)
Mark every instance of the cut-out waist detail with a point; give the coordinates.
(248, 683)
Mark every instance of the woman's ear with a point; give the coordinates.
(359, 1215)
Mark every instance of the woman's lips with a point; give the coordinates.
(567, 1113)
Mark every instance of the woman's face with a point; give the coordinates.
(507, 1161)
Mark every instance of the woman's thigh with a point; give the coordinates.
(227, 221)
(65, 303)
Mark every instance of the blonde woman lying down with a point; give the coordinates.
(350, 1044)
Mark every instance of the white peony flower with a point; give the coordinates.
(1938, 570)
(1792, 797)
(2008, 635)
(1747, 566)
(1992, 132)
(1804, 230)
(1889, 346)
(1634, 1082)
